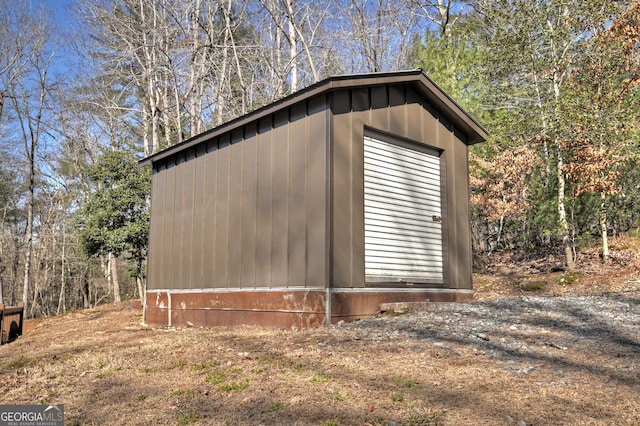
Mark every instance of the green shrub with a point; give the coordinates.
(234, 386)
(215, 378)
(533, 285)
(396, 398)
(569, 278)
(205, 366)
(276, 406)
(320, 379)
(188, 419)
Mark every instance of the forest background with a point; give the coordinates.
(83, 98)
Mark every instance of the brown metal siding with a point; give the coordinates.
(415, 129)
(265, 189)
(343, 199)
(463, 259)
(297, 209)
(178, 223)
(169, 211)
(279, 199)
(398, 111)
(154, 278)
(250, 212)
(316, 137)
(221, 217)
(236, 211)
(210, 187)
(448, 140)
(189, 237)
(379, 107)
(198, 260)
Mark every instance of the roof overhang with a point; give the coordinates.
(427, 88)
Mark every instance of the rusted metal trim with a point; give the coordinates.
(328, 306)
(285, 308)
(169, 308)
(275, 311)
(235, 290)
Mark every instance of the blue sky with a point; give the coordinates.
(61, 10)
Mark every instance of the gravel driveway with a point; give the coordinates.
(526, 332)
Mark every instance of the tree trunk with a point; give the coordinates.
(146, 144)
(444, 10)
(63, 277)
(39, 281)
(220, 98)
(293, 51)
(151, 75)
(545, 128)
(28, 251)
(113, 271)
(240, 77)
(167, 71)
(603, 228)
(155, 117)
(562, 215)
(86, 297)
(193, 93)
(1, 286)
(14, 272)
(293, 26)
(141, 288)
(278, 76)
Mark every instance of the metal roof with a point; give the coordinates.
(417, 79)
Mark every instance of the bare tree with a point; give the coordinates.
(27, 85)
(128, 47)
(443, 13)
(301, 24)
(14, 47)
(178, 64)
(377, 34)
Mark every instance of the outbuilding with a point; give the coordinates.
(314, 209)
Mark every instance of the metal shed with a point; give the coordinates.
(314, 209)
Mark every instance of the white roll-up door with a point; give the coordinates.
(402, 213)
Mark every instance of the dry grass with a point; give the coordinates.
(106, 368)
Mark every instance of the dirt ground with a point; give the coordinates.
(108, 368)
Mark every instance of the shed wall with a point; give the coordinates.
(396, 111)
(245, 215)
